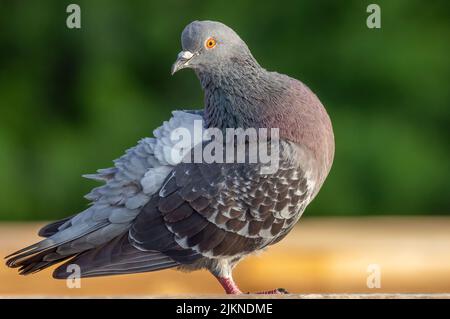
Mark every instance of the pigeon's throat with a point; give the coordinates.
(238, 99)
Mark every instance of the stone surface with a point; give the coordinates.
(322, 256)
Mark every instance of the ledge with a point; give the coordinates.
(251, 296)
(321, 258)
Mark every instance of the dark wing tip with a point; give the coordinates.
(117, 257)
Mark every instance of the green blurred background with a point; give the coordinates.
(73, 100)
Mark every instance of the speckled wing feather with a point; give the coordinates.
(222, 210)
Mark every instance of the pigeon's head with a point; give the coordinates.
(207, 45)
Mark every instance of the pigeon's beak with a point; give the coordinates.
(182, 61)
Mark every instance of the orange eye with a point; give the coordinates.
(210, 43)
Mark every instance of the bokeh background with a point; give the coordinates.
(72, 100)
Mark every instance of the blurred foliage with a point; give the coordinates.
(73, 100)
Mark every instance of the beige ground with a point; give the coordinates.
(319, 256)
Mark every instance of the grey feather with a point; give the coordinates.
(114, 205)
(116, 257)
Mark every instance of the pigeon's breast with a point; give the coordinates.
(303, 120)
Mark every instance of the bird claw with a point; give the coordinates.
(277, 291)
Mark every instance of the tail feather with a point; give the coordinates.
(115, 258)
(22, 251)
(53, 228)
(43, 252)
(37, 262)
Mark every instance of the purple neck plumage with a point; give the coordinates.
(244, 95)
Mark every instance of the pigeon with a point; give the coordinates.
(157, 208)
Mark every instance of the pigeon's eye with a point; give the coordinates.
(210, 43)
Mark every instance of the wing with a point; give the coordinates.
(223, 210)
(205, 210)
(135, 177)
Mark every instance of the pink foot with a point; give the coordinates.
(232, 289)
(229, 285)
(278, 291)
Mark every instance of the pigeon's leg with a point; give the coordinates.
(229, 285)
(222, 269)
(223, 274)
(231, 288)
